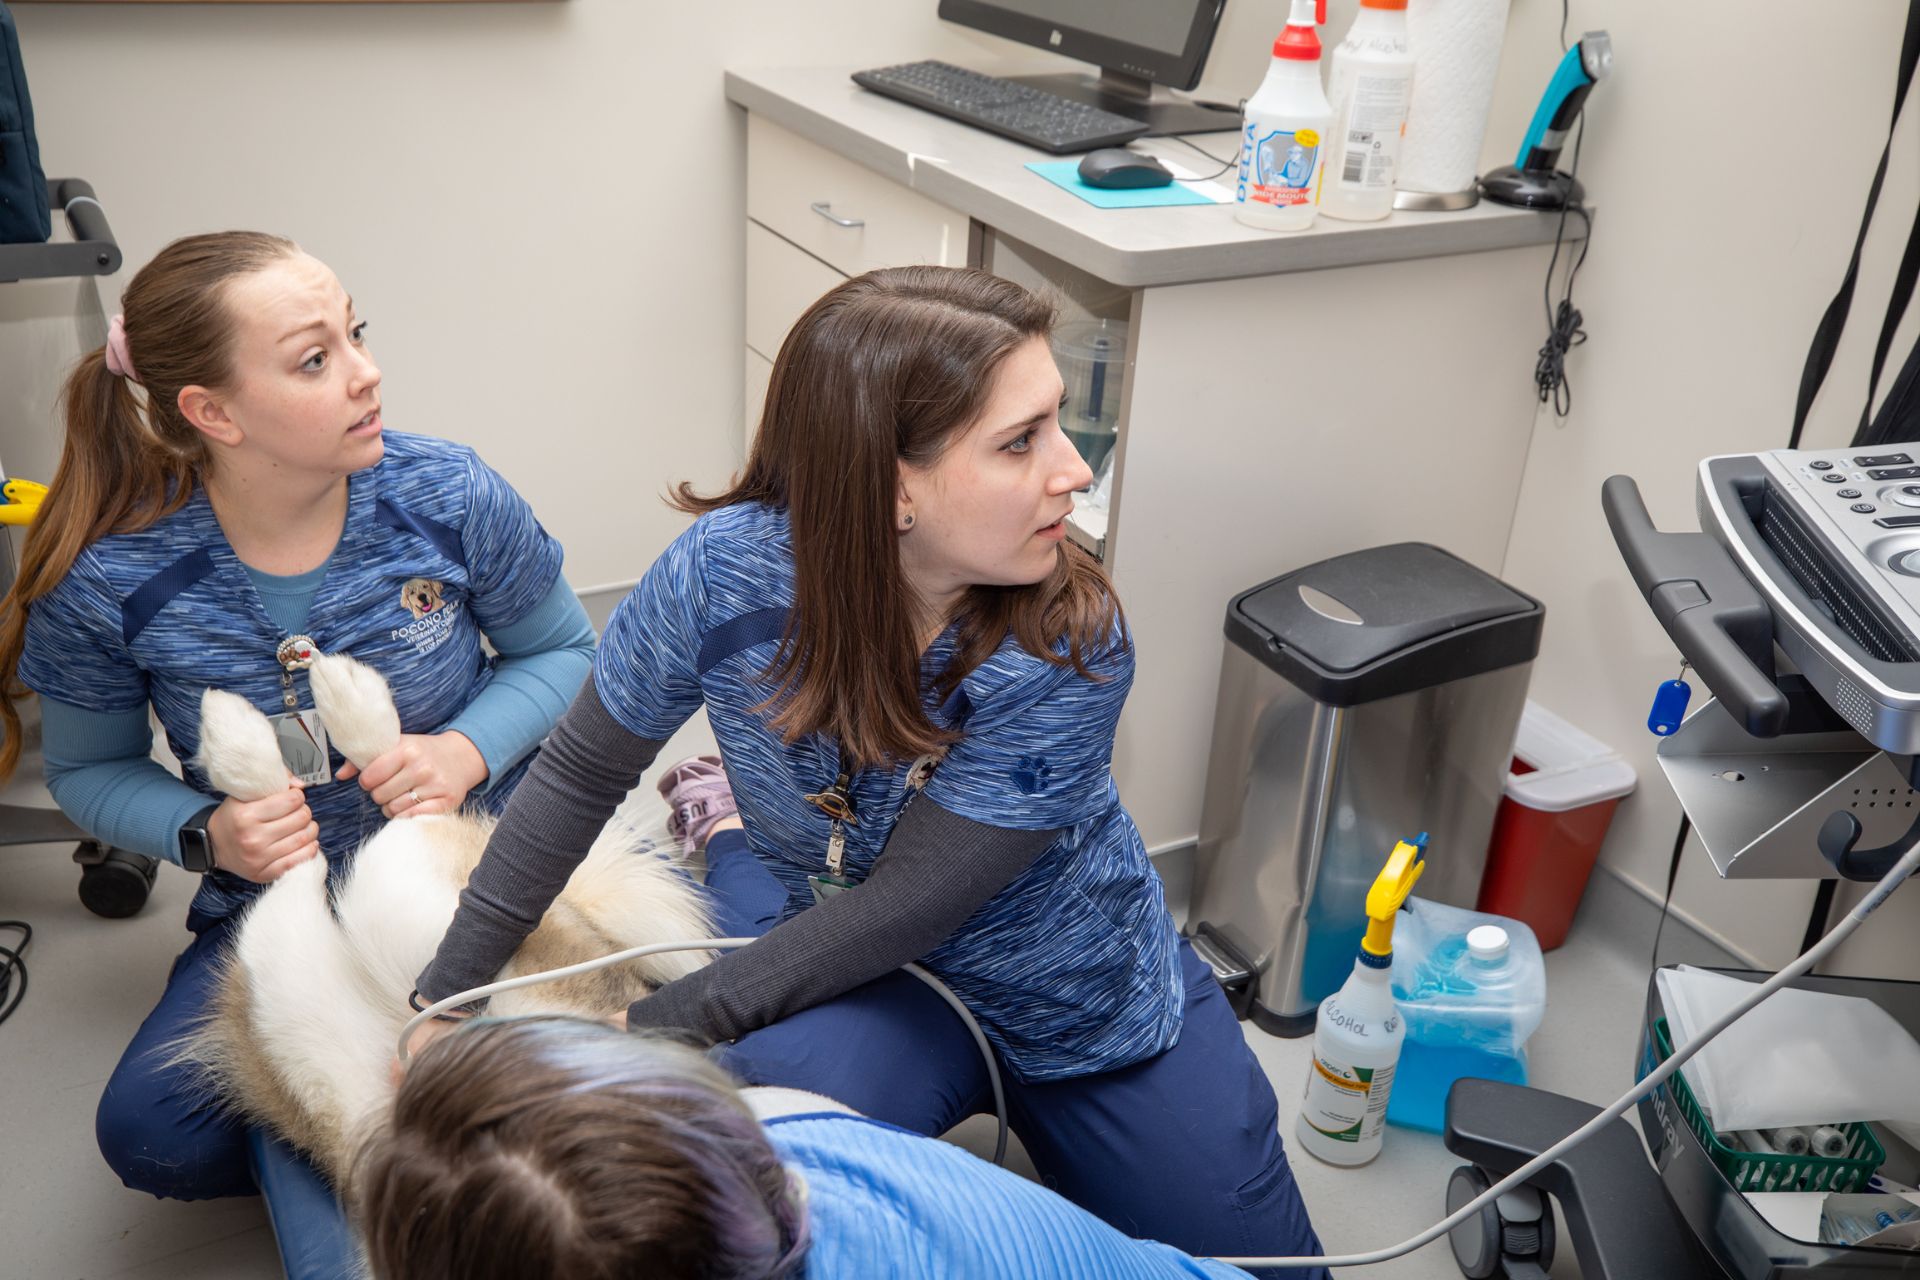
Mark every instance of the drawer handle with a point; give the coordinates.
(825, 209)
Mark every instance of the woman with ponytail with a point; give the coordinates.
(915, 681)
(227, 503)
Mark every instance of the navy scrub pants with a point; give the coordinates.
(1183, 1148)
(156, 1124)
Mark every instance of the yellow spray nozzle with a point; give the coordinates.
(1390, 889)
(23, 499)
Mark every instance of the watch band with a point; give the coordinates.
(196, 843)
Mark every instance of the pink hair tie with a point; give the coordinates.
(119, 359)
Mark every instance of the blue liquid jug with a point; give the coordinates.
(1472, 988)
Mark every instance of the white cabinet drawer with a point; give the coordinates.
(758, 373)
(782, 282)
(787, 176)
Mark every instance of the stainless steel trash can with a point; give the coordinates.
(1362, 700)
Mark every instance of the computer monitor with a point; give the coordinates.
(1137, 44)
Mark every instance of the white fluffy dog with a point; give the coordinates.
(302, 1032)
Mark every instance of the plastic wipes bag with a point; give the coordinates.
(1799, 1058)
(1884, 1222)
(1448, 998)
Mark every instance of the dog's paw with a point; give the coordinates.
(238, 751)
(356, 706)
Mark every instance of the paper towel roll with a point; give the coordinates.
(1456, 51)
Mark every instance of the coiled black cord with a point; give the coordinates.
(1563, 319)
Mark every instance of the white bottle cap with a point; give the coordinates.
(1487, 943)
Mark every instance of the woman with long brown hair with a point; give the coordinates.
(228, 502)
(915, 680)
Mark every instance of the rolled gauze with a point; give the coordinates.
(1830, 1142)
(1790, 1141)
(1456, 52)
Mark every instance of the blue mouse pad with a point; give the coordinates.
(1066, 173)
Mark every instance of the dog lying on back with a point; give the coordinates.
(309, 1007)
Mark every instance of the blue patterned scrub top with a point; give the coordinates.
(437, 549)
(1071, 969)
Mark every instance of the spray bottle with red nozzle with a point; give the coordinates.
(1283, 140)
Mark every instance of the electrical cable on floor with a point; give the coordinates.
(10, 964)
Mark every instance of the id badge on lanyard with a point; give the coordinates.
(301, 736)
(837, 803)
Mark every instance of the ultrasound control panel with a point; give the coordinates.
(1867, 501)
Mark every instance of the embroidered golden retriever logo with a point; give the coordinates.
(422, 596)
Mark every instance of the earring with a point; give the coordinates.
(906, 521)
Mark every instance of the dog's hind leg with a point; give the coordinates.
(356, 706)
(309, 1020)
(238, 751)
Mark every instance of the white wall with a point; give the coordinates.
(537, 206)
(1726, 215)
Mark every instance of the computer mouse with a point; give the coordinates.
(1117, 167)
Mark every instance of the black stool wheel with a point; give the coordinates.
(1512, 1237)
(1475, 1242)
(113, 882)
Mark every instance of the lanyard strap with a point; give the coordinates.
(1826, 338)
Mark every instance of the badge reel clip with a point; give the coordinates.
(300, 734)
(837, 803)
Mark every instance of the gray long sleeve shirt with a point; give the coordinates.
(936, 870)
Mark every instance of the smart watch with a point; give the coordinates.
(196, 842)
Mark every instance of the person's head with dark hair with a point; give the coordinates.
(555, 1146)
(911, 434)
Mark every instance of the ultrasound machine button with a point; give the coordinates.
(1881, 460)
(1834, 477)
(1854, 493)
(1895, 473)
(1865, 508)
(1821, 466)
(1898, 522)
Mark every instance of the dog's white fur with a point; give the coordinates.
(312, 999)
(356, 706)
(238, 748)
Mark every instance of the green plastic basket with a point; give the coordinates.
(1756, 1171)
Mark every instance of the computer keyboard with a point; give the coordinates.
(1033, 116)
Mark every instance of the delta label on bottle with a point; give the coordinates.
(1278, 167)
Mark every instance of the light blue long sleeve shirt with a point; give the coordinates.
(885, 1202)
(99, 766)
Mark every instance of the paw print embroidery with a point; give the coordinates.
(1031, 775)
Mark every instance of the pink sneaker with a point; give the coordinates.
(698, 798)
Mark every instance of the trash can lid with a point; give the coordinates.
(1385, 621)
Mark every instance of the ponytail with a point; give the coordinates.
(112, 478)
(125, 465)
